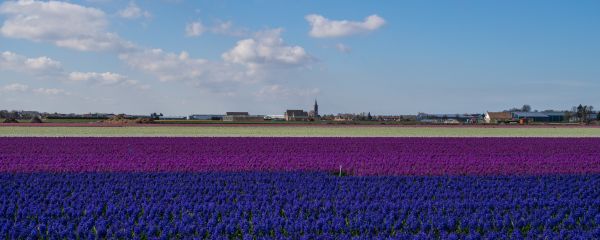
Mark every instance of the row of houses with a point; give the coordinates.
(289, 115)
(229, 117)
(32, 114)
(465, 118)
(449, 118)
(503, 117)
(528, 117)
(493, 117)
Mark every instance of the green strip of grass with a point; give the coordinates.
(300, 131)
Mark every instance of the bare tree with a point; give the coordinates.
(580, 110)
(524, 108)
(583, 112)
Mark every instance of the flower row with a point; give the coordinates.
(354, 156)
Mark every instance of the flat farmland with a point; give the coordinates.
(242, 181)
(293, 188)
(300, 131)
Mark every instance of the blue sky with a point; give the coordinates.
(387, 57)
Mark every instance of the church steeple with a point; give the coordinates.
(316, 108)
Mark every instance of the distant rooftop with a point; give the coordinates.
(530, 114)
(237, 113)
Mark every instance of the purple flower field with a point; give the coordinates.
(356, 156)
(289, 188)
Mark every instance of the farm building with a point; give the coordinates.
(205, 117)
(531, 116)
(275, 117)
(172, 118)
(296, 115)
(448, 118)
(540, 116)
(237, 114)
(557, 116)
(397, 118)
(497, 117)
(244, 118)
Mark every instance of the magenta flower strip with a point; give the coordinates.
(356, 156)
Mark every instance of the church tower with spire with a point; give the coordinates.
(316, 109)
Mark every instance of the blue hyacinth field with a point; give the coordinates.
(296, 206)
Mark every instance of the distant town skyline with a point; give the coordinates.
(265, 56)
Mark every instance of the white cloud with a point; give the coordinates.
(105, 78)
(197, 28)
(99, 1)
(15, 87)
(61, 23)
(167, 66)
(41, 65)
(322, 27)
(250, 61)
(279, 91)
(343, 48)
(51, 69)
(227, 28)
(132, 11)
(50, 91)
(82, 28)
(194, 29)
(21, 88)
(266, 49)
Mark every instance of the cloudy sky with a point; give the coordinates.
(264, 56)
